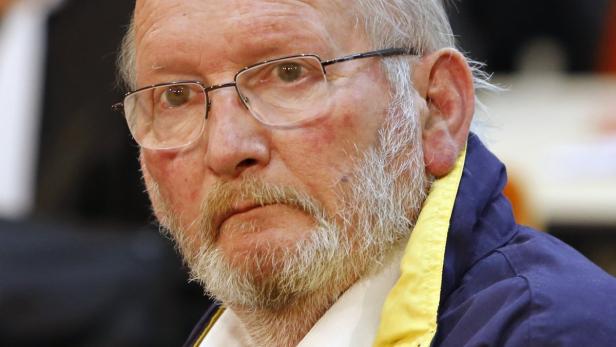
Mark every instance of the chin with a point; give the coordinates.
(261, 253)
(269, 272)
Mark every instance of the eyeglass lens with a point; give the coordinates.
(283, 92)
(166, 117)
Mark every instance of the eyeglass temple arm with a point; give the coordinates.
(380, 53)
(118, 107)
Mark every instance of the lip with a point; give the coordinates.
(237, 209)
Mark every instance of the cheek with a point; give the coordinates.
(326, 144)
(350, 120)
(179, 177)
(322, 155)
(330, 132)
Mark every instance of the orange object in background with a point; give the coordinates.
(514, 191)
(607, 48)
(4, 5)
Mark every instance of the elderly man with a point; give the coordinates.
(313, 161)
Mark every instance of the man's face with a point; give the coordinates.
(210, 192)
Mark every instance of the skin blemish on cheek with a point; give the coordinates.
(319, 134)
(167, 166)
(165, 155)
(327, 137)
(348, 120)
(194, 194)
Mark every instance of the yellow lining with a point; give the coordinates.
(209, 326)
(409, 315)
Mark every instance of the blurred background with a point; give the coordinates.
(81, 260)
(554, 125)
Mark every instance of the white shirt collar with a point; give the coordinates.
(352, 321)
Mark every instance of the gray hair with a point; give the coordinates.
(127, 58)
(419, 24)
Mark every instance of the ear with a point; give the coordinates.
(450, 98)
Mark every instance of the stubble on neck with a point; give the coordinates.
(287, 326)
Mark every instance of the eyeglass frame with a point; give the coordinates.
(387, 52)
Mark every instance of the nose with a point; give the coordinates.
(237, 143)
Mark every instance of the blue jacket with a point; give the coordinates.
(508, 285)
(504, 284)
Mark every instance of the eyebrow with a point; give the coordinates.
(273, 46)
(279, 44)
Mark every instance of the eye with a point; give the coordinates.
(177, 96)
(289, 72)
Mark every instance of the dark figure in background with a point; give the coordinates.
(496, 32)
(86, 165)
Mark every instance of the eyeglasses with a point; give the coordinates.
(284, 92)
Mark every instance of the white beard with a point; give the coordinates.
(380, 204)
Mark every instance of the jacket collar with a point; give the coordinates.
(482, 219)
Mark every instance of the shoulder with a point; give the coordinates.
(533, 291)
(571, 299)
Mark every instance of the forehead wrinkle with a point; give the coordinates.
(275, 18)
(281, 27)
(330, 12)
(294, 28)
(239, 8)
(268, 39)
(271, 35)
(149, 21)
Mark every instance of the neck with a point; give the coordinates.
(287, 326)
